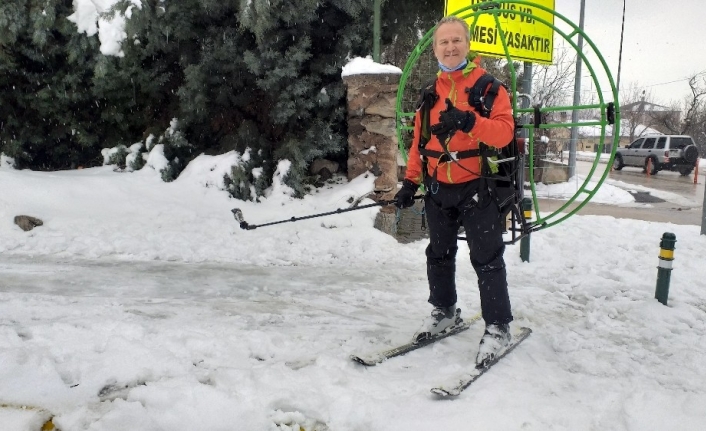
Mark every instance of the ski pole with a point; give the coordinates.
(238, 214)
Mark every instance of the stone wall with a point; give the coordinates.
(549, 172)
(372, 136)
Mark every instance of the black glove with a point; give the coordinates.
(405, 196)
(451, 120)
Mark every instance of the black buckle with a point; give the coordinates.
(610, 112)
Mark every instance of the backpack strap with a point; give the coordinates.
(427, 99)
(482, 97)
(500, 181)
(483, 93)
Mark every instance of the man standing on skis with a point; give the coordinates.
(445, 157)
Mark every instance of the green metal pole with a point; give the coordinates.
(526, 204)
(525, 241)
(577, 98)
(376, 31)
(664, 269)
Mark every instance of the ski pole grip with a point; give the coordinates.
(238, 214)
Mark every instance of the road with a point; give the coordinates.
(686, 209)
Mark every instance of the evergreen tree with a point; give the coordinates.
(45, 66)
(185, 62)
(300, 49)
(219, 101)
(257, 76)
(140, 89)
(404, 23)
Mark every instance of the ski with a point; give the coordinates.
(465, 380)
(378, 357)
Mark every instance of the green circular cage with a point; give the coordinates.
(421, 66)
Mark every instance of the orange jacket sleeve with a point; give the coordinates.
(414, 160)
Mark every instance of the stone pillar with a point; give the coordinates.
(372, 136)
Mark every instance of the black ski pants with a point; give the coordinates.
(448, 207)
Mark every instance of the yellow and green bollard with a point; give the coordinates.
(664, 269)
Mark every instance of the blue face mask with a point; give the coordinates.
(459, 67)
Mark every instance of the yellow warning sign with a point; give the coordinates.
(528, 38)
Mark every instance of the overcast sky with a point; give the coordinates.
(663, 42)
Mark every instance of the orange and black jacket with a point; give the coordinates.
(495, 131)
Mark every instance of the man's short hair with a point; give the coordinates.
(450, 19)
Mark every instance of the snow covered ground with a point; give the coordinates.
(141, 305)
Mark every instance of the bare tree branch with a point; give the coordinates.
(553, 85)
(697, 84)
(693, 107)
(639, 115)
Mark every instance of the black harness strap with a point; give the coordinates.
(458, 155)
(427, 99)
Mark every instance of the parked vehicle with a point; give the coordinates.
(659, 152)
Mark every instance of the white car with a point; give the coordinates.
(659, 152)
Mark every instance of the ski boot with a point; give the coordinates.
(441, 319)
(495, 339)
